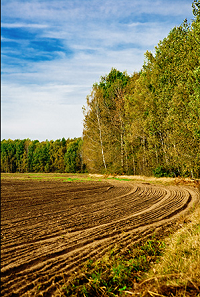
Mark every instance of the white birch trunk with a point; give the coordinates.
(100, 136)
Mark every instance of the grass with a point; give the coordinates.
(65, 177)
(115, 272)
(178, 271)
(165, 181)
(81, 177)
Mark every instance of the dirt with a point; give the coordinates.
(49, 229)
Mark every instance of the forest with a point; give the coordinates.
(48, 156)
(147, 123)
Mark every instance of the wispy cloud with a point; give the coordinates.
(23, 25)
(53, 51)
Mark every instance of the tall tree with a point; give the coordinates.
(104, 126)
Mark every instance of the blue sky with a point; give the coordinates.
(53, 51)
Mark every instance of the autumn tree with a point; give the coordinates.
(104, 126)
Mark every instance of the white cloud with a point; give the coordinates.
(51, 122)
(23, 25)
(38, 112)
(44, 100)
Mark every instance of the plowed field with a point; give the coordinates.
(50, 228)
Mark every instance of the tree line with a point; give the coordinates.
(149, 122)
(47, 156)
(145, 123)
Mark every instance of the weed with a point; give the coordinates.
(115, 272)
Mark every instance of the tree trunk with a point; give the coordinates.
(100, 136)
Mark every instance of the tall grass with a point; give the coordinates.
(178, 272)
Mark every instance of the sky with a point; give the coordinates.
(53, 51)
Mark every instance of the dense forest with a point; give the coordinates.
(145, 123)
(48, 156)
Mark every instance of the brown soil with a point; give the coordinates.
(50, 228)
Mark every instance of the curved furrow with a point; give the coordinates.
(149, 216)
(49, 229)
(141, 220)
(64, 266)
(171, 195)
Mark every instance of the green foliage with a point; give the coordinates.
(72, 158)
(116, 271)
(104, 135)
(196, 8)
(165, 172)
(47, 156)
